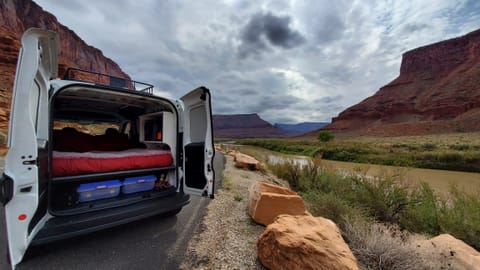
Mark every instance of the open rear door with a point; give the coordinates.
(23, 185)
(198, 143)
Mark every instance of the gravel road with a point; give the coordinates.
(228, 236)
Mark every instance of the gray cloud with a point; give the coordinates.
(317, 56)
(264, 29)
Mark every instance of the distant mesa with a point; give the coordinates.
(301, 128)
(437, 91)
(238, 126)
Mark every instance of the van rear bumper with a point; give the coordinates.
(63, 227)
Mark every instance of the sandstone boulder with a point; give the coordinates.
(267, 201)
(304, 242)
(459, 255)
(243, 161)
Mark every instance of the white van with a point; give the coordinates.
(90, 151)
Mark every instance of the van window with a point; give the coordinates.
(89, 128)
(198, 124)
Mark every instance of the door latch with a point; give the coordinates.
(30, 162)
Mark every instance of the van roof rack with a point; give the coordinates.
(104, 79)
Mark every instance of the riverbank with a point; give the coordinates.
(457, 152)
(227, 236)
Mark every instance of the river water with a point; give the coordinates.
(439, 180)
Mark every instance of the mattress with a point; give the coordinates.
(74, 163)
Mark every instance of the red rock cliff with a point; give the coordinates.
(243, 126)
(18, 15)
(437, 91)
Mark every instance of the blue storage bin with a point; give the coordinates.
(98, 190)
(138, 183)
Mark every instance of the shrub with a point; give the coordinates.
(378, 246)
(422, 215)
(459, 147)
(327, 205)
(325, 136)
(461, 217)
(429, 146)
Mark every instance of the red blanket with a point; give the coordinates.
(74, 163)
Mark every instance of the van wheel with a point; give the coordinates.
(172, 212)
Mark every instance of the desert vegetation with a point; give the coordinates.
(389, 200)
(433, 152)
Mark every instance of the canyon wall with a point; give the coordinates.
(18, 15)
(437, 91)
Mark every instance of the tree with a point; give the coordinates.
(325, 136)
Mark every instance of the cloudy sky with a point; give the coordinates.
(287, 60)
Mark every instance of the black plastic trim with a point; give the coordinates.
(59, 228)
(6, 189)
(120, 201)
(102, 176)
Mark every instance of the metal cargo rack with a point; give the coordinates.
(108, 80)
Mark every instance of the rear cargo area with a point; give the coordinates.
(110, 149)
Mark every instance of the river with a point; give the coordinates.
(439, 180)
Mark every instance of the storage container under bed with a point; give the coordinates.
(138, 184)
(98, 190)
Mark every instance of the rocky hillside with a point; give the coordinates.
(437, 91)
(243, 126)
(18, 15)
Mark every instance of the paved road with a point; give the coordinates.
(154, 243)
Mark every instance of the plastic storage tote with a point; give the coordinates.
(138, 183)
(98, 190)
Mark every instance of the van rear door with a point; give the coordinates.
(23, 186)
(198, 143)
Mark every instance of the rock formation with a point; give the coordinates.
(246, 162)
(437, 91)
(458, 254)
(18, 15)
(267, 201)
(243, 126)
(304, 242)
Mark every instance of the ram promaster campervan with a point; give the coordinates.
(86, 154)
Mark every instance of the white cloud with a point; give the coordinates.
(335, 54)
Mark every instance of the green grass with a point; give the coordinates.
(432, 155)
(392, 201)
(238, 197)
(226, 183)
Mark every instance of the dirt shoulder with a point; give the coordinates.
(227, 236)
